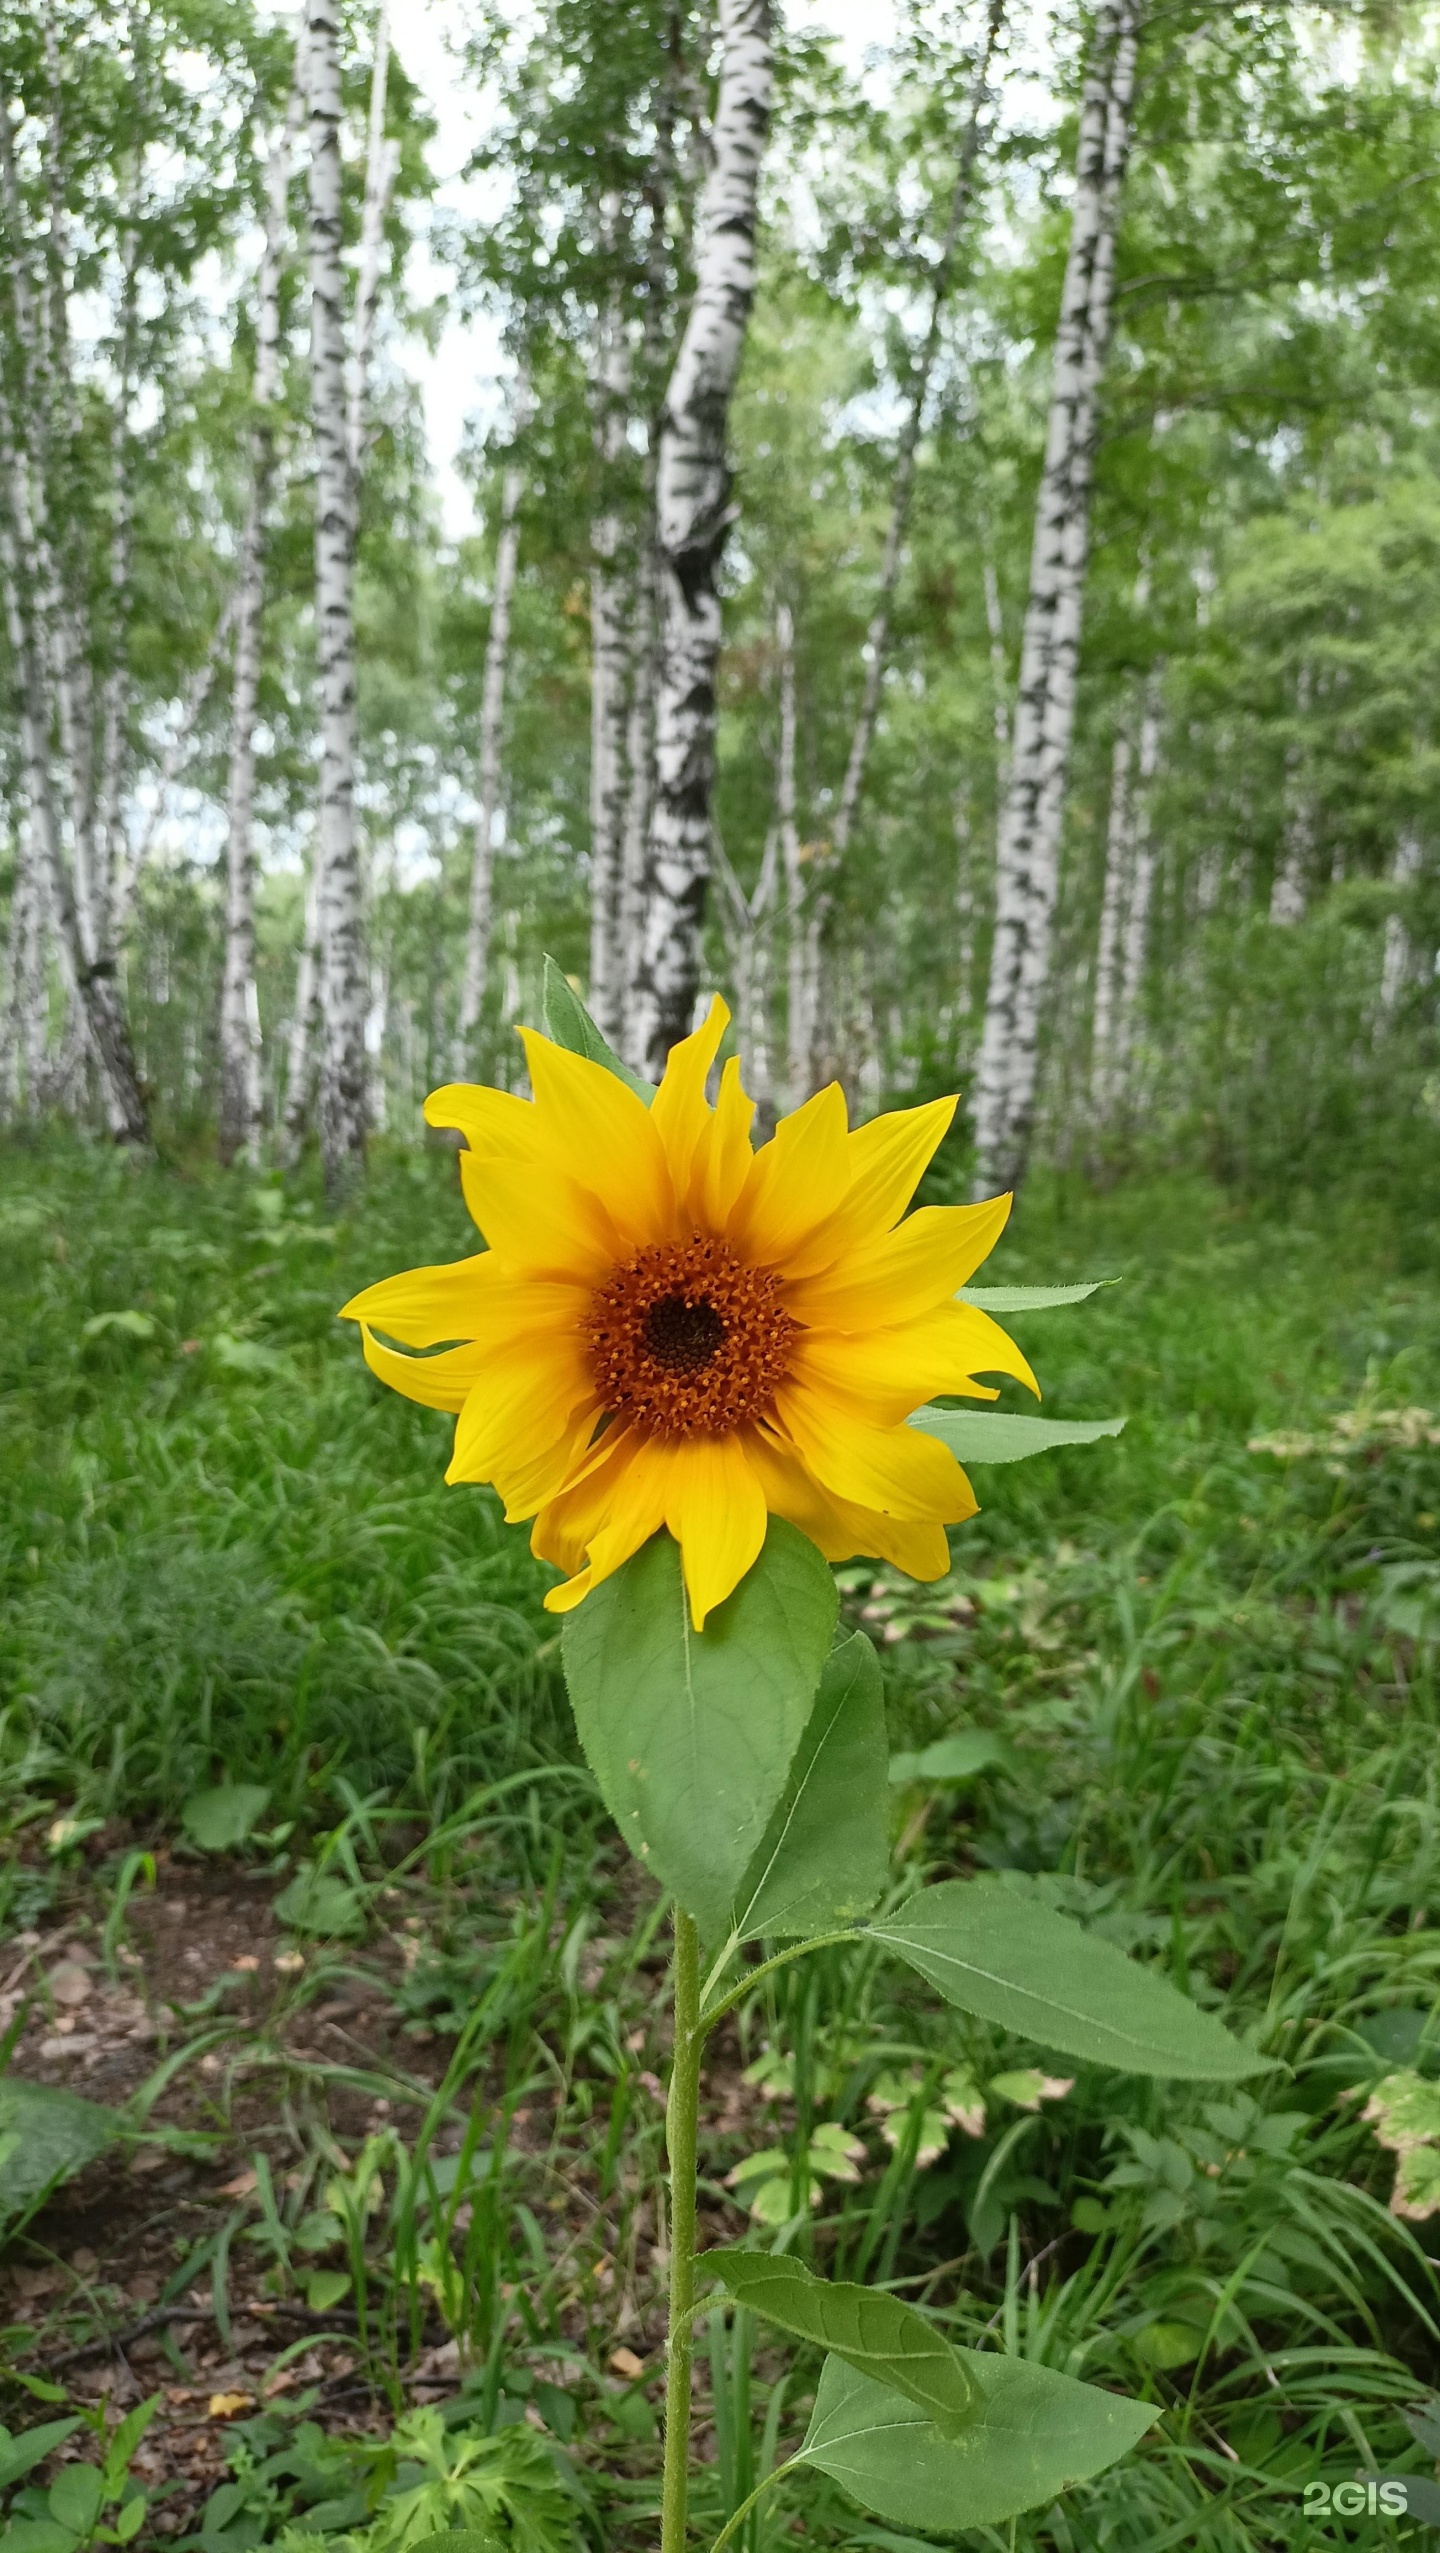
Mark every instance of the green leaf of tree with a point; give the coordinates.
(1037, 2433)
(691, 1734)
(869, 2330)
(993, 1436)
(1009, 1959)
(826, 1852)
(569, 1023)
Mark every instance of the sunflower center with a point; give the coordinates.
(686, 1340)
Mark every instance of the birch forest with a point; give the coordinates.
(950, 562)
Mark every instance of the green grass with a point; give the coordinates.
(225, 1552)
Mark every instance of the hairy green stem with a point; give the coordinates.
(682, 2117)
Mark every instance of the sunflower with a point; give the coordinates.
(671, 1328)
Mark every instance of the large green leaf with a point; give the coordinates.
(219, 1819)
(993, 1436)
(826, 1852)
(691, 1734)
(1010, 1959)
(1036, 2435)
(46, 2135)
(569, 1024)
(871, 2331)
(1028, 1298)
(19, 2454)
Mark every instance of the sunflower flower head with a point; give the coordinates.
(670, 1329)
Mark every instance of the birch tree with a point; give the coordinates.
(611, 590)
(240, 1092)
(693, 516)
(1028, 850)
(492, 712)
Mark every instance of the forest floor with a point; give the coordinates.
(360, 2217)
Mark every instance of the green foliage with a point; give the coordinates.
(222, 1817)
(1036, 2434)
(689, 1734)
(824, 1855)
(1005, 1956)
(46, 2135)
(876, 2333)
(983, 1436)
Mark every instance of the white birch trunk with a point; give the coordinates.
(492, 712)
(1135, 945)
(342, 971)
(304, 1022)
(799, 939)
(240, 1059)
(693, 514)
(1398, 963)
(382, 163)
(609, 685)
(999, 672)
(1119, 854)
(1027, 865)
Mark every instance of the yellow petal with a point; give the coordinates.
(795, 1182)
(489, 1120)
(524, 1406)
(469, 1299)
(679, 1111)
(540, 1224)
(904, 1273)
(715, 1508)
(895, 1371)
(887, 1161)
(892, 1469)
(436, 1382)
(600, 1135)
(794, 1493)
(722, 1155)
(577, 1509)
(634, 1510)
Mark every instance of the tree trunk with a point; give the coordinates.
(693, 515)
(1136, 943)
(609, 683)
(1028, 852)
(492, 711)
(799, 940)
(342, 966)
(382, 163)
(1398, 963)
(240, 1089)
(1119, 854)
(304, 1023)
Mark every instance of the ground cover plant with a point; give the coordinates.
(377, 2053)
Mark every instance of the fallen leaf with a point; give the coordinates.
(289, 1962)
(69, 1983)
(247, 1963)
(625, 2363)
(240, 2187)
(224, 2406)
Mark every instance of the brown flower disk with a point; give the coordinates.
(685, 1340)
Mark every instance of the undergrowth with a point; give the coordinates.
(1203, 1656)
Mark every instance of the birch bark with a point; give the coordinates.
(1027, 863)
(492, 711)
(609, 682)
(801, 944)
(1119, 853)
(240, 1085)
(693, 516)
(342, 969)
(1398, 963)
(1136, 942)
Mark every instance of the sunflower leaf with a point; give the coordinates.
(868, 2329)
(825, 1853)
(1010, 1959)
(1030, 1298)
(1037, 2433)
(691, 1734)
(993, 1436)
(569, 1024)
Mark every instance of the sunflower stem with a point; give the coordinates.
(682, 2119)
